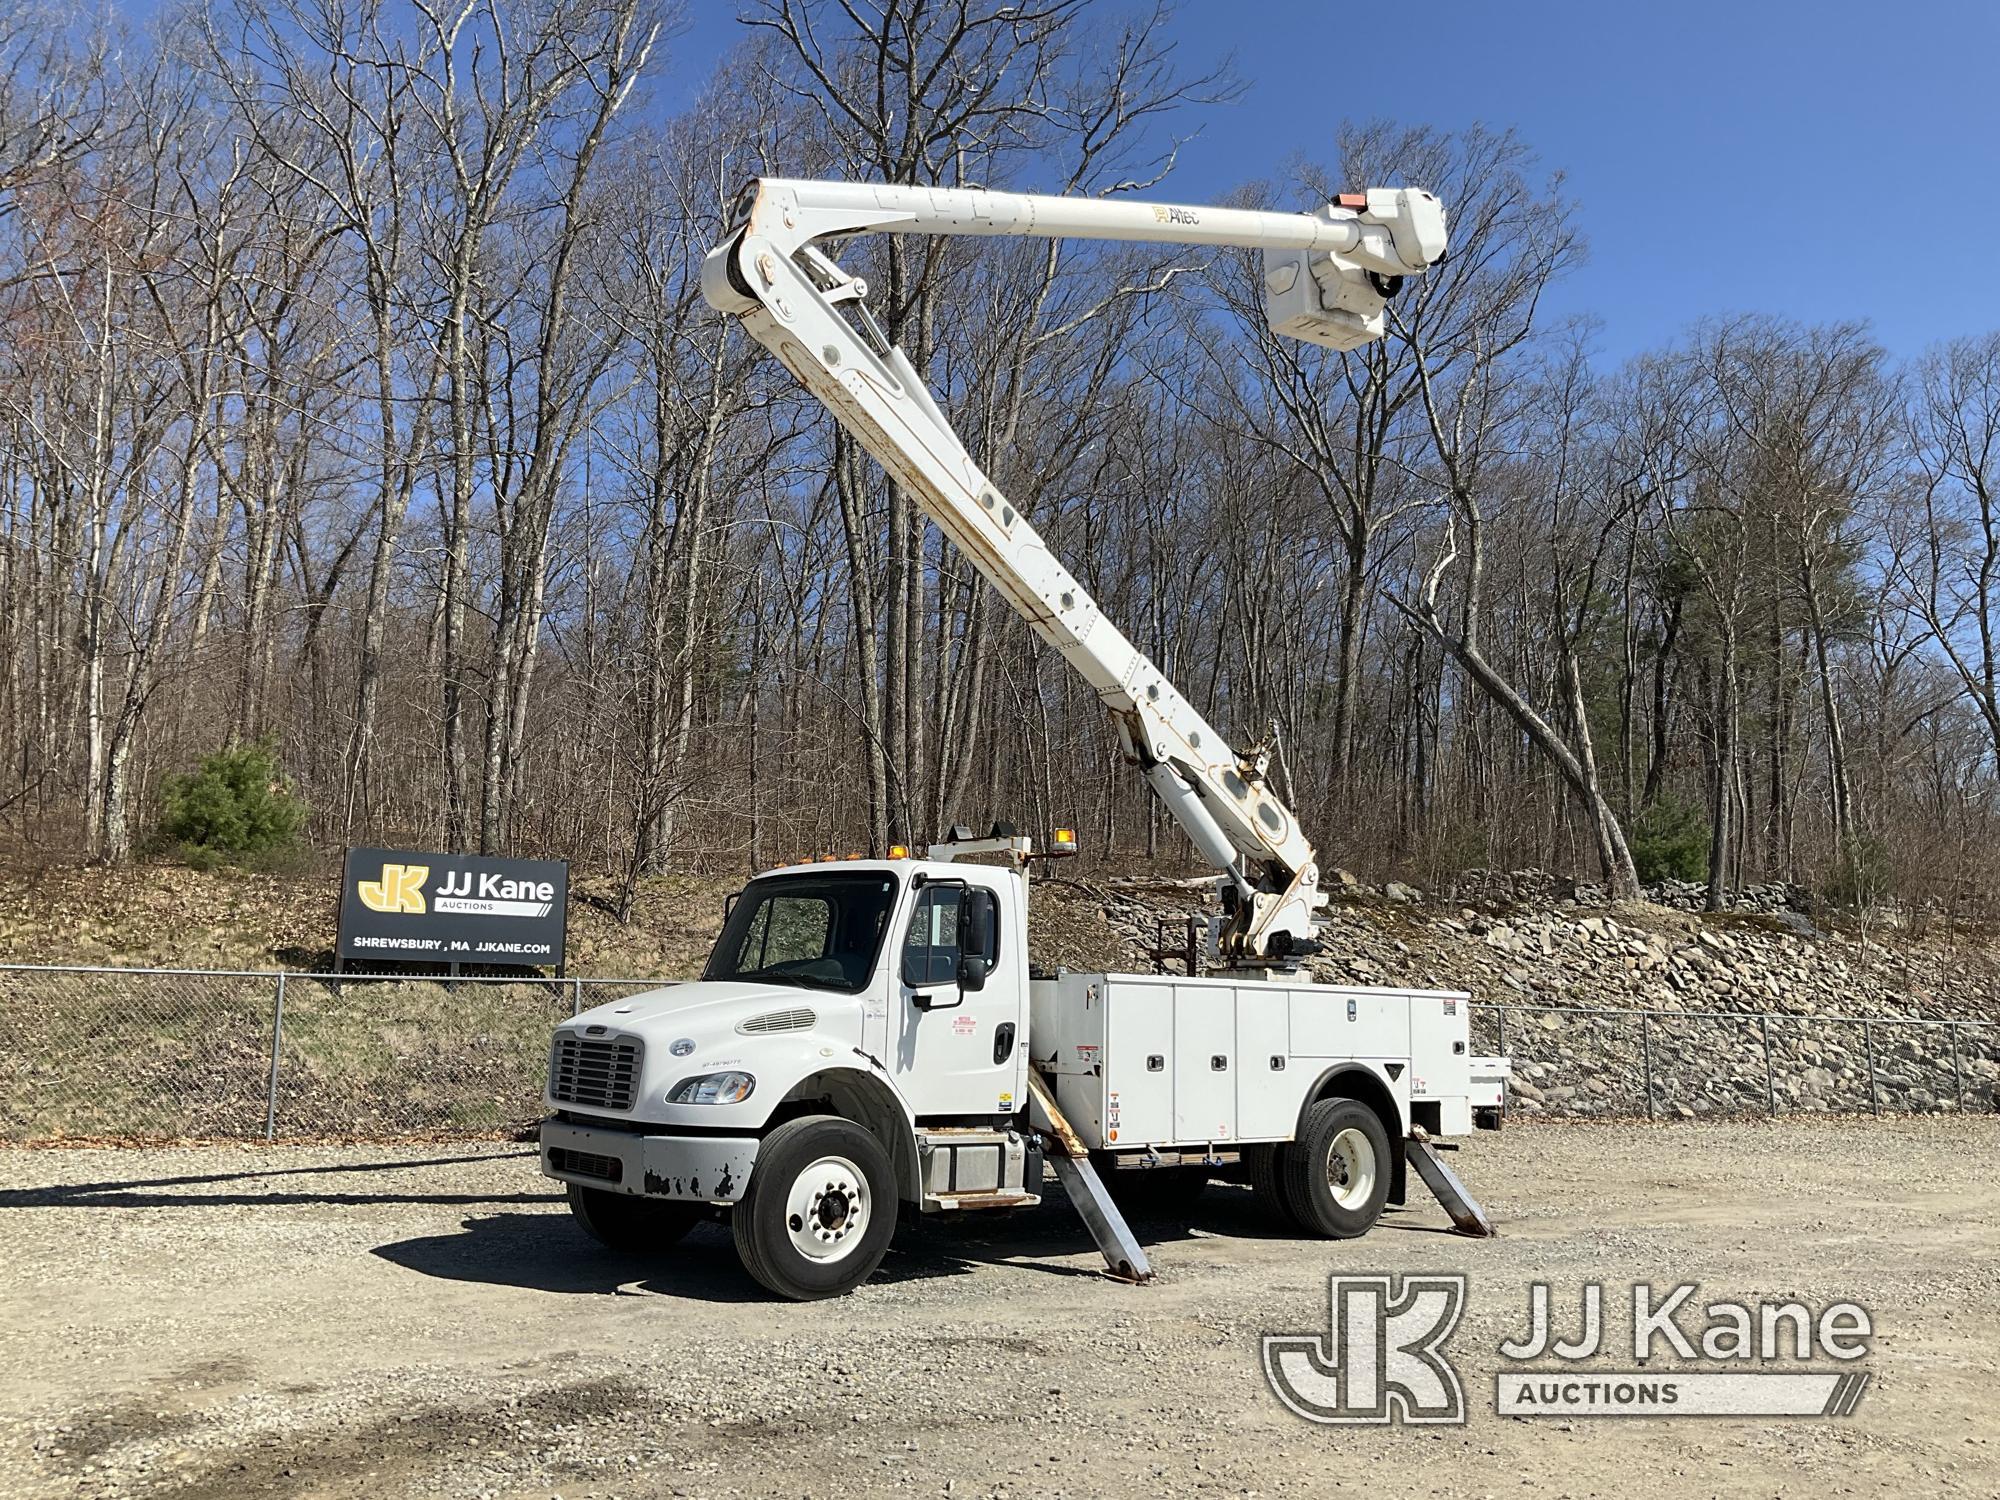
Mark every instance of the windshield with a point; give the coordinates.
(820, 931)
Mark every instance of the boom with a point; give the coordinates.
(1327, 278)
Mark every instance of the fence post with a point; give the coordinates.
(277, 1043)
(1868, 1046)
(1646, 1056)
(1957, 1077)
(1501, 1012)
(1770, 1070)
(576, 997)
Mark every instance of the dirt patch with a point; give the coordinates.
(384, 1452)
(319, 1321)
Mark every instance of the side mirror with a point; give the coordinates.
(976, 925)
(971, 973)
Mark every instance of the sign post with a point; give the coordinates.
(400, 905)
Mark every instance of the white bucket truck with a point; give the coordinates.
(868, 1033)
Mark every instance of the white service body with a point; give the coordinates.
(1160, 1063)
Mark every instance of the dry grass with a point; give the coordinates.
(169, 1057)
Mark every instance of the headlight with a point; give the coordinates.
(713, 1088)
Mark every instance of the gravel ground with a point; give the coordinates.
(248, 1322)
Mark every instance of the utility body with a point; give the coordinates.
(868, 1035)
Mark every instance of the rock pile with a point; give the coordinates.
(1694, 993)
(1514, 888)
(1501, 888)
(1692, 895)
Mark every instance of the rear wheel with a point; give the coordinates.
(1265, 1164)
(819, 1210)
(1335, 1176)
(620, 1221)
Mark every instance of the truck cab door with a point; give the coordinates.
(958, 1010)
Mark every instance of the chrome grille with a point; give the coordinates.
(594, 1074)
(800, 1019)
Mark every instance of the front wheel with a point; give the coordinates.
(1335, 1176)
(620, 1221)
(819, 1210)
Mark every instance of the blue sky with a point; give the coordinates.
(1820, 161)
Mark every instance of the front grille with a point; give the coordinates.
(800, 1019)
(593, 1074)
(586, 1164)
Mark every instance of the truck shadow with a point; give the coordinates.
(546, 1252)
(549, 1253)
(303, 1187)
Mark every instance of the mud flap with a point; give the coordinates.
(1115, 1241)
(1447, 1189)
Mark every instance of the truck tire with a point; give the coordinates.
(1265, 1167)
(619, 1221)
(820, 1208)
(1335, 1176)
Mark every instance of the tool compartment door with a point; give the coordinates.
(1138, 1080)
(1267, 1088)
(1440, 1048)
(1340, 1022)
(1204, 1063)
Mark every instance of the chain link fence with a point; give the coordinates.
(167, 1054)
(1689, 1064)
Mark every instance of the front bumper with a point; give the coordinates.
(691, 1168)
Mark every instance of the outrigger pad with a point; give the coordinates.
(1122, 1256)
(1444, 1185)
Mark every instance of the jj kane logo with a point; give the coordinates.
(1382, 1358)
(491, 895)
(401, 889)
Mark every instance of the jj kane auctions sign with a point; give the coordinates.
(453, 908)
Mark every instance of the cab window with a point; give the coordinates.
(820, 931)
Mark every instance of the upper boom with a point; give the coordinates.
(1327, 275)
(1327, 278)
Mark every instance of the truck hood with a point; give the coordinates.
(776, 1033)
(707, 1012)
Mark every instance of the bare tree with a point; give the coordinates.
(1951, 569)
(964, 93)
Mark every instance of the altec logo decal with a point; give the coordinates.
(401, 889)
